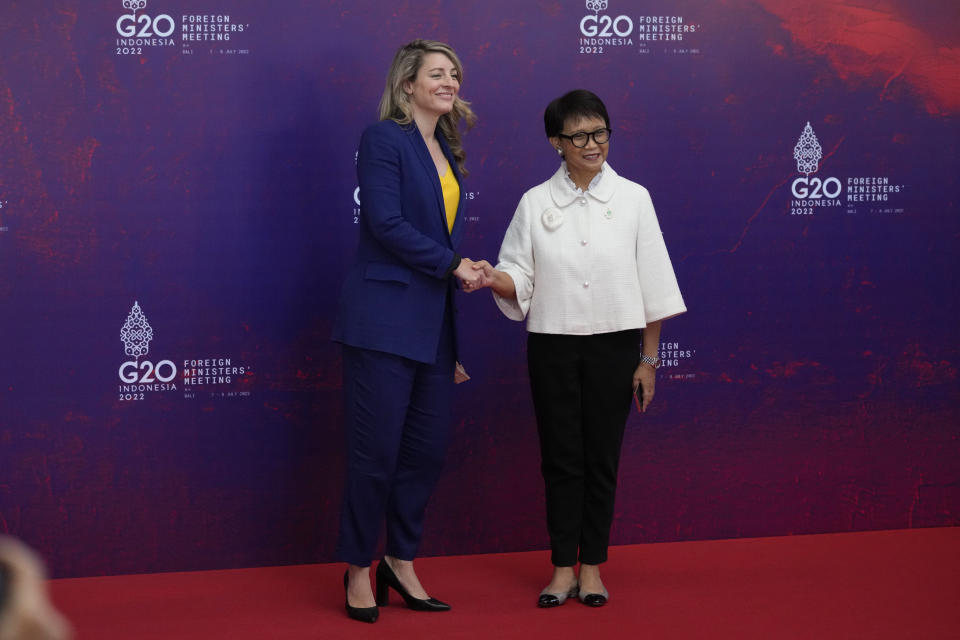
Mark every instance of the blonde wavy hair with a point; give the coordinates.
(395, 103)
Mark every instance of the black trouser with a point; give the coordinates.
(582, 388)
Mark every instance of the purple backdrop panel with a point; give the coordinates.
(178, 206)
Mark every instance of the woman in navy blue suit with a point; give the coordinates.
(397, 322)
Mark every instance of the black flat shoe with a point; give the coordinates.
(594, 599)
(387, 579)
(549, 600)
(363, 614)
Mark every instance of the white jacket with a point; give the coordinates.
(585, 263)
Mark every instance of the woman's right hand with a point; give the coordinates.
(484, 273)
(470, 279)
(487, 271)
(499, 281)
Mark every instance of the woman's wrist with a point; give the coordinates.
(454, 264)
(502, 284)
(650, 361)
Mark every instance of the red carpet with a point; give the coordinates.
(888, 584)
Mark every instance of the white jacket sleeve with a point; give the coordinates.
(658, 282)
(516, 260)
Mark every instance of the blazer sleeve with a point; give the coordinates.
(516, 260)
(658, 282)
(380, 171)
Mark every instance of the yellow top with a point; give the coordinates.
(451, 196)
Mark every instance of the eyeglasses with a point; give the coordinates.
(579, 140)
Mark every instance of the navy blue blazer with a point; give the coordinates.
(396, 291)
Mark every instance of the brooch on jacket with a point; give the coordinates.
(552, 219)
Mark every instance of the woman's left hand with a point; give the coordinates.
(645, 376)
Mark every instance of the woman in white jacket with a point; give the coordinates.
(584, 262)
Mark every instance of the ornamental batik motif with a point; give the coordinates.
(134, 5)
(807, 153)
(136, 333)
(596, 5)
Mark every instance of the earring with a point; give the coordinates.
(559, 151)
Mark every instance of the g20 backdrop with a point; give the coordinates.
(178, 205)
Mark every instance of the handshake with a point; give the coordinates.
(476, 275)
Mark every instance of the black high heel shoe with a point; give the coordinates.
(363, 614)
(386, 579)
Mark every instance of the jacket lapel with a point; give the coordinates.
(420, 146)
(458, 220)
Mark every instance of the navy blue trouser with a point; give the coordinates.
(397, 418)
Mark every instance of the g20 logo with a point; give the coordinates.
(133, 372)
(161, 26)
(136, 334)
(814, 189)
(808, 155)
(606, 27)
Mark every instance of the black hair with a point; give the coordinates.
(576, 103)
